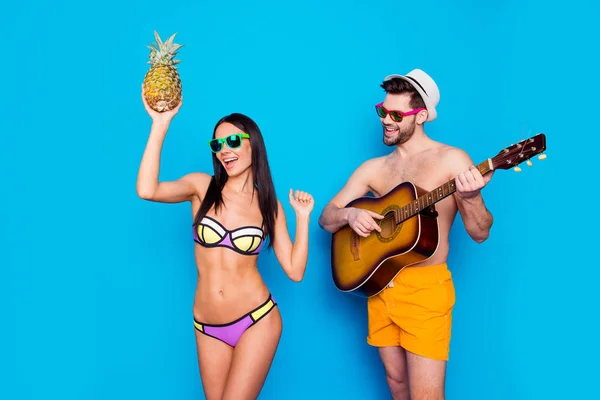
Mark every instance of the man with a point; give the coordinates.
(410, 320)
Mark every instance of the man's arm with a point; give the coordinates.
(477, 219)
(335, 215)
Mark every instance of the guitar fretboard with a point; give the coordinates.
(432, 197)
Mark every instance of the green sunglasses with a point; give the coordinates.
(233, 142)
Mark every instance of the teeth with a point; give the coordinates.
(229, 159)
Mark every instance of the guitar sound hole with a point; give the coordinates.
(388, 225)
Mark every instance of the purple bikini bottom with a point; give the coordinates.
(231, 332)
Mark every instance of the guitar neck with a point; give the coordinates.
(428, 199)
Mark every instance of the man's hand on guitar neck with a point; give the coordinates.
(470, 182)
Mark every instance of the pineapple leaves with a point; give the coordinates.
(169, 42)
(164, 52)
(158, 41)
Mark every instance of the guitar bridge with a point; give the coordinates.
(354, 245)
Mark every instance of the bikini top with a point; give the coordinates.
(246, 240)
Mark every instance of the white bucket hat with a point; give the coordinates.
(426, 87)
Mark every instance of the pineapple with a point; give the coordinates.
(162, 85)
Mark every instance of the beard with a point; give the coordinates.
(402, 136)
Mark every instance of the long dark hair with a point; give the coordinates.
(261, 173)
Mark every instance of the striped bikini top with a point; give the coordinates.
(246, 240)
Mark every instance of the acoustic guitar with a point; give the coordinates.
(409, 230)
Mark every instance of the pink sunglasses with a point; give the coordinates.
(396, 116)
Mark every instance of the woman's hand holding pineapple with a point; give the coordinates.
(164, 117)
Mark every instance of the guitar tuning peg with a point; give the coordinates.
(542, 157)
(517, 169)
(529, 163)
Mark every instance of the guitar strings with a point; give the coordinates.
(483, 168)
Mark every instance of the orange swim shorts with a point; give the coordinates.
(414, 312)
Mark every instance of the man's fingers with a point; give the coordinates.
(360, 232)
(373, 224)
(360, 229)
(375, 215)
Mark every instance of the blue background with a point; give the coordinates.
(96, 285)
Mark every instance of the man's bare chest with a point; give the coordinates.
(426, 174)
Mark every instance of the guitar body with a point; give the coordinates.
(365, 266)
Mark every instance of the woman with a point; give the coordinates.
(237, 322)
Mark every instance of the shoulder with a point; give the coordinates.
(454, 159)
(374, 162)
(451, 153)
(279, 212)
(371, 165)
(199, 180)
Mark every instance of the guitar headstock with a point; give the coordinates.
(515, 154)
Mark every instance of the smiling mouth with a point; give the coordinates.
(229, 162)
(390, 130)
